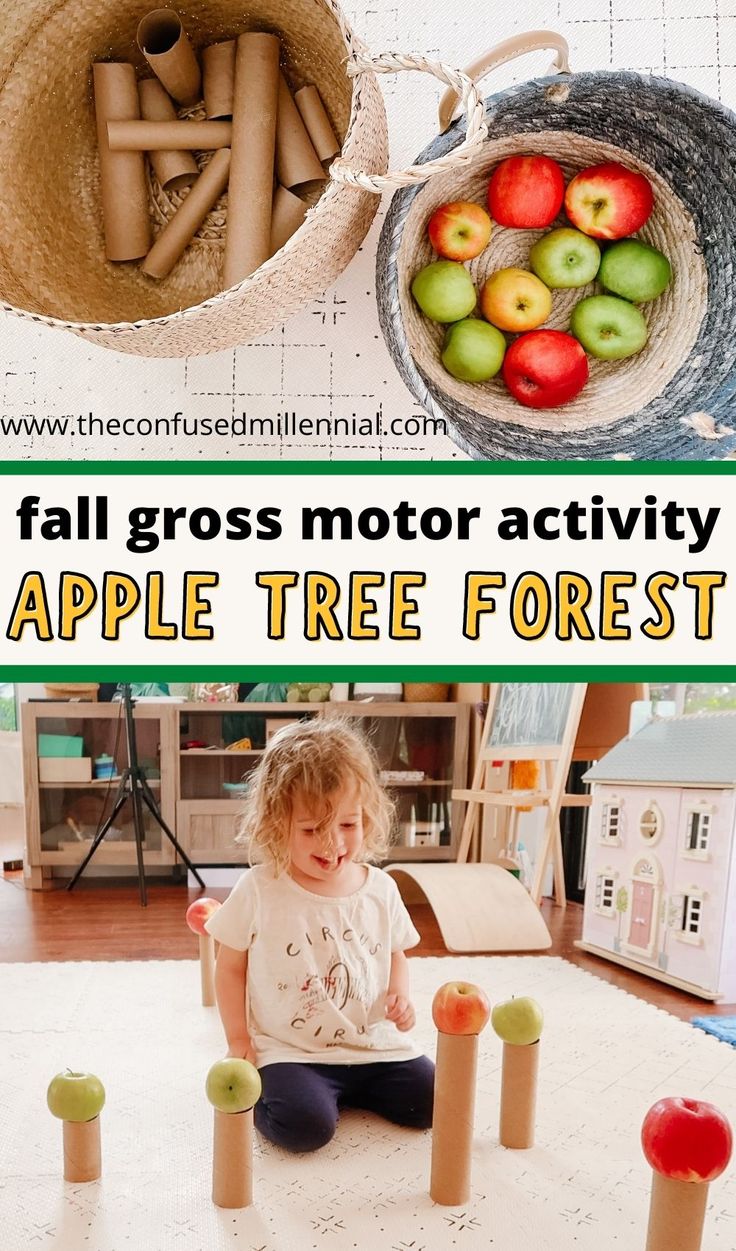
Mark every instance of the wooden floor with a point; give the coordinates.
(106, 922)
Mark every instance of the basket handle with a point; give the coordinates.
(461, 87)
(508, 50)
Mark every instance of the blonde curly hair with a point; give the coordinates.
(315, 758)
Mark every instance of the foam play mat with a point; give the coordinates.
(606, 1057)
(723, 1027)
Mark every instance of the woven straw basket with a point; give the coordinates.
(52, 262)
(426, 692)
(683, 384)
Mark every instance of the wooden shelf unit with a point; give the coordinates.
(51, 806)
(429, 737)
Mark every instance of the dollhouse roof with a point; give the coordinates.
(699, 749)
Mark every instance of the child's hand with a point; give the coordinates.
(241, 1049)
(401, 1012)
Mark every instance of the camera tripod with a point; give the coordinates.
(134, 786)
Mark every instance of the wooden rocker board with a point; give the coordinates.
(479, 907)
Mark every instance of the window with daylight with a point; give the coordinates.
(605, 887)
(697, 830)
(611, 822)
(8, 719)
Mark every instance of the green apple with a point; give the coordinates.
(608, 327)
(75, 1096)
(473, 350)
(444, 291)
(635, 270)
(233, 1085)
(518, 1021)
(565, 258)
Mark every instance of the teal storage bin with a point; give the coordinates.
(60, 745)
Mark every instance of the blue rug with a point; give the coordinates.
(723, 1027)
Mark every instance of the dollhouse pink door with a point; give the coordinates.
(641, 914)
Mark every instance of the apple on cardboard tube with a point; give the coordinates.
(686, 1140)
(460, 1008)
(75, 1096)
(199, 912)
(233, 1085)
(518, 1021)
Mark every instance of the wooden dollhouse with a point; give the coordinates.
(661, 878)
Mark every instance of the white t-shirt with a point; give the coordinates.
(318, 967)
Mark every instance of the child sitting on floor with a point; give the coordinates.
(312, 980)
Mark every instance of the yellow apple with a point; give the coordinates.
(515, 300)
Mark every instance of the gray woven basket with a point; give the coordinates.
(677, 399)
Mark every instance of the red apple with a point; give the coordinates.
(460, 1008)
(686, 1139)
(609, 201)
(199, 912)
(459, 230)
(545, 368)
(526, 192)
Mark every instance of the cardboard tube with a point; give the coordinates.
(453, 1118)
(255, 108)
(676, 1214)
(218, 78)
(232, 1165)
(173, 169)
(518, 1095)
(318, 124)
(296, 159)
(206, 941)
(160, 261)
(175, 136)
(126, 218)
(82, 1150)
(288, 214)
(164, 43)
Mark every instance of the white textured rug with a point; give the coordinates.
(606, 1057)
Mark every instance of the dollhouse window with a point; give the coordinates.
(692, 918)
(651, 823)
(611, 823)
(697, 833)
(605, 887)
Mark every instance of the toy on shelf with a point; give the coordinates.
(460, 1011)
(688, 1143)
(233, 1088)
(241, 744)
(518, 1022)
(197, 913)
(77, 1099)
(308, 692)
(661, 877)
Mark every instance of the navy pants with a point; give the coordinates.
(301, 1103)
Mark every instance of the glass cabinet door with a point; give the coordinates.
(422, 759)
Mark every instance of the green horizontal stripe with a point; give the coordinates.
(417, 469)
(347, 673)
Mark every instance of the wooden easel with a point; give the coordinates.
(595, 724)
(554, 758)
